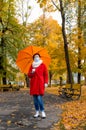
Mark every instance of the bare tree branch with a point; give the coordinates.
(55, 5)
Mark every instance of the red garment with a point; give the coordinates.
(38, 79)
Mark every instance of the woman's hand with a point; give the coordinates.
(46, 85)
(33, 70)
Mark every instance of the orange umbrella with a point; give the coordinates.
(25, 57)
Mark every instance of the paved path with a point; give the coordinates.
(17, 110)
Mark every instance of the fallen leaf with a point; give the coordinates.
(8, 122)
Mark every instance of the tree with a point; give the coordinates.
(81, 35)
(4, 20)
(78, 39)
(69, 72)
(65, 43)
(11, 39)
(23, 11)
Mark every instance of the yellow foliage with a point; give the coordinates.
(1, 33)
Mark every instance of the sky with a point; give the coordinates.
(36, 12)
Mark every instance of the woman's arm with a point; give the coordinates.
(31, 72)
(45, 74)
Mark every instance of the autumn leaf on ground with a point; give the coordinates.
(74, 112)
(8, 122)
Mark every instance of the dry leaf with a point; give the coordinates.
(8, 122)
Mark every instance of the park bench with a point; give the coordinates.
(71, 92)
(9, 87)
(15, 87)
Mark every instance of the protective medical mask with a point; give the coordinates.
(36, 59)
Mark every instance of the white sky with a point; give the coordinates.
(36, 12)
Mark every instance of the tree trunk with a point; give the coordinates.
(79, 42)
(2, 63)
(27, 81)
(4, 78)
(65, 44)
(43, 28)
(85, 80)
(50, 78)
(85, 72)
(60, 78)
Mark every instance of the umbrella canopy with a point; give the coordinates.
(25, 57)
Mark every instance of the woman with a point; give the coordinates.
(38, 75)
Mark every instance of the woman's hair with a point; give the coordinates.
(36, 54)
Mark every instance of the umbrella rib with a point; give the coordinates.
(26, 53)
(25, 66)
(46, 57)
(41, 50)
(22, 59)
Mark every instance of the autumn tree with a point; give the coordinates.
(11, 40)
(81, 36)
(4, 23)
(23, 11)
(78, 37)
(62, 10)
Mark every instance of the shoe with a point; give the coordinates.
(43, 115)
(37, 114)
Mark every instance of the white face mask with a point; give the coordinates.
(36, 58)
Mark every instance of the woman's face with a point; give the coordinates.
(36, 58)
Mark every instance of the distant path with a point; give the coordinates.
(17, 110)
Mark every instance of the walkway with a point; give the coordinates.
(17, 110)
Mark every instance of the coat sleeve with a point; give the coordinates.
(30, 74)
(45, 74)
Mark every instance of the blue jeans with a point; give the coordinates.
(38, 102)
